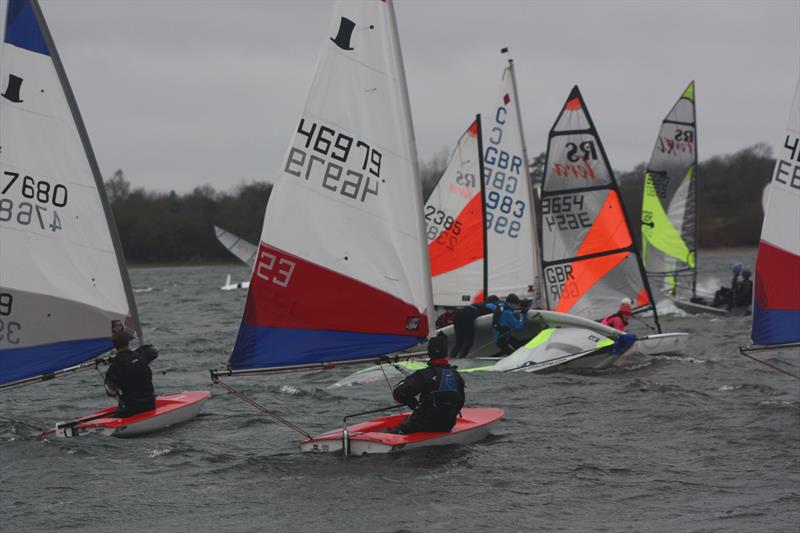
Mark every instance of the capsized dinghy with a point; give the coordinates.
(171, 409)
(241, 249)
(371, 437)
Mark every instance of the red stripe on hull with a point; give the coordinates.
(313, 297)
(777, 283)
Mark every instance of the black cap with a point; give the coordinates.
(512, 299)
(437, 346)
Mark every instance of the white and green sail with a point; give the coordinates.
(669, 206)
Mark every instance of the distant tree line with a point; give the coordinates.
(158, 227)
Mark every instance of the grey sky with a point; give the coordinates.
(186, 93)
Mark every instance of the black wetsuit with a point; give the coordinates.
(441, 396)
(743, 295)
(130, 374)
(464, 327)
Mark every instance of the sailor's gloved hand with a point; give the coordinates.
(412, 403)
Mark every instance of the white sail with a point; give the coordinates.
(511, 234)
(454, 214)
(243, 250)
(342, 270)
(63, 279)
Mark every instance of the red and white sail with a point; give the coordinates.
(776, 302)
(454, 214)
(342, 270)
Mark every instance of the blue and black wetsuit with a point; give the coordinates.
(504, 322)
(441, 396)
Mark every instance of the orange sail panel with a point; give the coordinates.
(589, 259)
(462, 243)
(454, 218)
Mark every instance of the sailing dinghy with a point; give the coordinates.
(171, 409)
(589, 258)
(241, 249)
(64, 283)
(776, 295)
(669, 208)
(360, 247)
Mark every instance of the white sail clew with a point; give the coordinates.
(454, 214)
(63, 279)
(512, 251)
(243, 250)
(342, 271)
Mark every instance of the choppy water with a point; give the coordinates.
(705, 442)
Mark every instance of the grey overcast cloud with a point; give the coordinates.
(180, 94)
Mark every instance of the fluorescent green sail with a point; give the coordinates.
(657, 229)
(689, 92)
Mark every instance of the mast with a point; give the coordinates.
(98, 178)
(534, 225)
(695, 186)
(483, 209)
(423, 241)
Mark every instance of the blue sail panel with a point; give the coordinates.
(22, 29)
(264, 347)
(22, 363)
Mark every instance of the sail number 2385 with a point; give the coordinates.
(275, 270)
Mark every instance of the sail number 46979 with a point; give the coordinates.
(357, 172)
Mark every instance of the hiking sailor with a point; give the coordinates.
(506, 319)
(620, 319)
(129, 377)
(440, 389)
(464, 325)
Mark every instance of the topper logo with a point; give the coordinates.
(12, 90)
(342, 39)
(586, 148)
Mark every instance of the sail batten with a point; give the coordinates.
(589, 257)
(64, 283)
(342, 269)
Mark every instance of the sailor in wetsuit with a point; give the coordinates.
(440, 389)
(464, 325)
(507, 318)
(129, 377)
(620, 319)
(743, 294)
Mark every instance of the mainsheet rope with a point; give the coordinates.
(260, 407)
